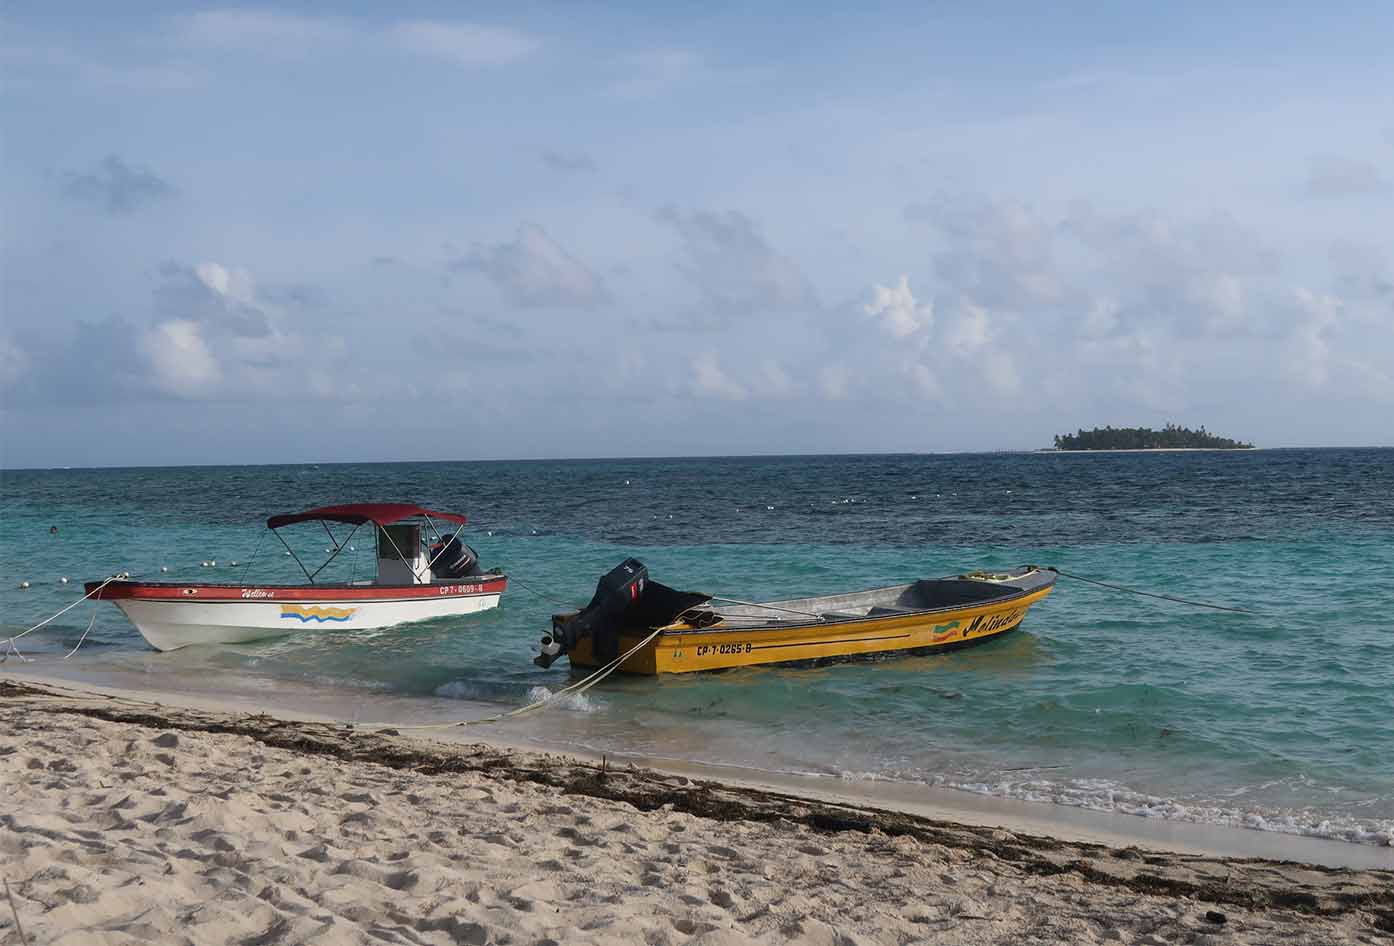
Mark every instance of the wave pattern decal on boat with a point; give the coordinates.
(306, 613)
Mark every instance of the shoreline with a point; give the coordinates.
(163, 823)
(299, 703)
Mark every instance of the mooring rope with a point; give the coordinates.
(1147, 594)
(578, 687)
(90, 625)
(550, 600)
(10, 643)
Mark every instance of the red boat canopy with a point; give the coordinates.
(382, 514)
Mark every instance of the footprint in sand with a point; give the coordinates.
(721, 898)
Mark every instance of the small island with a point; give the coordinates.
(1170, 437)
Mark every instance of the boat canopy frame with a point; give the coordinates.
(359, 514)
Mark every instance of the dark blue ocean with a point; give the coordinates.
(1278, 720)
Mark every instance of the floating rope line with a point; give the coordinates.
(10, 644)
(578, 687)
(1148, 594)
(550, 600)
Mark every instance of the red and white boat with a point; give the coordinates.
(417, 579)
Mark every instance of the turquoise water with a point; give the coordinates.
(1278, 720)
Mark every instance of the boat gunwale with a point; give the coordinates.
(231, 593)
(675, 631)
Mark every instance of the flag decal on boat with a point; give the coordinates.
(943, 632)
(306, 613)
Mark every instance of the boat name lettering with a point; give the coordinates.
(461, 589)
(257, 593)
(987, 623)
(704, 649)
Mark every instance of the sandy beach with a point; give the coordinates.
(129, 822)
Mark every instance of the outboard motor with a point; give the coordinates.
(625, 599)
(452, 559)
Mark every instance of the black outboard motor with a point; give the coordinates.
(625, 599)
(452, 559)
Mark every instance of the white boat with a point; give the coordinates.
(417, 580)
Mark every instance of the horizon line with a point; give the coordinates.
(698, 456)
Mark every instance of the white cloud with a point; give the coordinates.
(834, 382)
(970, 332)
(999, 369)
(181, 359)
(1308, 354)
(734, 267)
(14, 363)
(1101, 319)
(655, 71)
(709, 379)
(290, 35)
(1001, 252)
(221, 299)
(922, 379)
(1225, 297)
(1333, 175)
(465, 44)
(262, 30)
(900, 315)
(36, 63)
(535, 271)
(234, 284)
(776, 380)
(115, 186)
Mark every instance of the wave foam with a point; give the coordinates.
(576, 702)
(1105, 795)
(461, 690)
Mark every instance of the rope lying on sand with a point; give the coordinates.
(1147, 594)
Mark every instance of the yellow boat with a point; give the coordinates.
(667, 631)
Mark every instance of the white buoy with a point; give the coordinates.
(63, 580)
(352, 549)
(213, 563)
(626, 482)
(164, 568)
(233, 563)
(491, 532)
(203, 564)
(24, 584)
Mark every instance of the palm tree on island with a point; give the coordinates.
(1170, 437)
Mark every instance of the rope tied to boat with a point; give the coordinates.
(10, 647)
(580, 686)
(1147, 594)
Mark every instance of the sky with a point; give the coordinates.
(355, 232)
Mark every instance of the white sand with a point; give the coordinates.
(159, 832)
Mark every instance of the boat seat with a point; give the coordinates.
(879, 611)
(841, 616)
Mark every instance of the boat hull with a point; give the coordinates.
(170, 616)
(683, 649)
